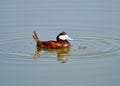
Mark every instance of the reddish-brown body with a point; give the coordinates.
(53, 44)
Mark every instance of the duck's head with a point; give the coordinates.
(63, 36)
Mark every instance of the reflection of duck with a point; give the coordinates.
(62, 42)
(61, 53)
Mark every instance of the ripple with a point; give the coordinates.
(23, 49)
(88, 47)
(17, 49)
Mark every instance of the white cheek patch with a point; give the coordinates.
(63, 37)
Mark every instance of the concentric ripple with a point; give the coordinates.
(23, 49)
(95, 46)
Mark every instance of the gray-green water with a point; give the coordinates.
(94, 57)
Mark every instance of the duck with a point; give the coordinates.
(62, 41)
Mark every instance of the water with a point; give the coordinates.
(93, 59)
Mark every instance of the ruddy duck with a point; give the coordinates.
(60, 43)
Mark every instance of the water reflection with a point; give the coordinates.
(61, 53)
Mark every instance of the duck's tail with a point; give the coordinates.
(35, 36)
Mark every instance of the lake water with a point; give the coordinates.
(93, 59)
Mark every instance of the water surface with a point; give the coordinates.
(93, 59)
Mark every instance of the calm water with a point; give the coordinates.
(93, 59)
